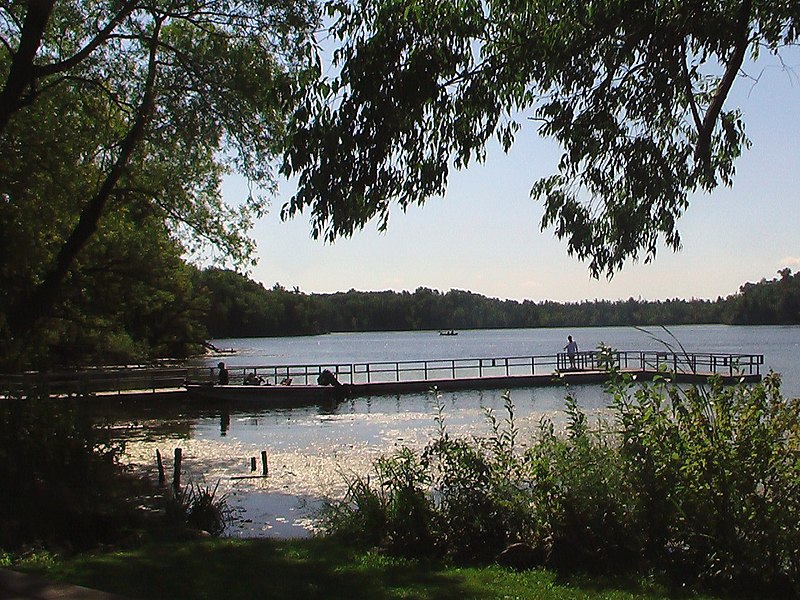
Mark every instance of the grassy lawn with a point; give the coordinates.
(319, 568)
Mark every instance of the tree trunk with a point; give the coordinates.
(21, 73)
(28, 311)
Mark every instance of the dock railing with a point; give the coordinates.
(92, 381)
(465, 368)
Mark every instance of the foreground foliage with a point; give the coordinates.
(635, 93)
(64, 488)
(700, 484)
(119, 120)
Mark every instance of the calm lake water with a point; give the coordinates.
(313, 450)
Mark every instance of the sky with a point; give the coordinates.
(484, 236)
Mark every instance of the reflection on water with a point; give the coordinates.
(312, 451)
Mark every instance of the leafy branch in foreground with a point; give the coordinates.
(634, 93)
(701, 484)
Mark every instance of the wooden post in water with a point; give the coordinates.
(160, 465)
(176, 473)
(264, 464)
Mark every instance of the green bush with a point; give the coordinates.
(716, 472)
(580, 489)
(458, 498)
(700, 483)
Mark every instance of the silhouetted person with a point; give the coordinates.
(572, 351)
(222, 378)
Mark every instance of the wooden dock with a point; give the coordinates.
(298, 384)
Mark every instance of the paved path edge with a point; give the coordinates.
(24, 586)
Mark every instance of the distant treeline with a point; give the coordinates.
(241, 307)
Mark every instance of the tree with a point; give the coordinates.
(633, 90)
(142, 106)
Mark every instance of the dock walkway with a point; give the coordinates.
(364, 379)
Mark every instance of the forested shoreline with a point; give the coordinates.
(241, 307)
(133, 318)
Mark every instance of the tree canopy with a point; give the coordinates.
(118, 120)
(634, 91)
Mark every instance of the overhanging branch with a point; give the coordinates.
(702, 152)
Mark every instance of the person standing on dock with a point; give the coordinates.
(222, 377)
(572, 351)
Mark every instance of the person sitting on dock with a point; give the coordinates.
(222, 376)
(572, 351)
(253, 379)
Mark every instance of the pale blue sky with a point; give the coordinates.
(484, 235)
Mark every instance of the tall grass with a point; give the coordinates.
(199, 507)
(699, 483)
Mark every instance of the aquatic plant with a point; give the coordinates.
(199, 507)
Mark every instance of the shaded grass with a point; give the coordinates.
(317, 568)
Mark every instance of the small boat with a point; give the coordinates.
(448, 332)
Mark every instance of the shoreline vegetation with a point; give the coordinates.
(219, 303)
(678, 492)
(241, 307)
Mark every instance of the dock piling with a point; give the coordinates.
(160, 466)
(176, 473)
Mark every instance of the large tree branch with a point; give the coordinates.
(687, 82)
(24, 73)
(21, 73)
(25, 316)
(702, 151)
(102, 36)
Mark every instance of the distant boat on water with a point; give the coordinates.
(448, 332)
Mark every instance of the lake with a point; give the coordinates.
(312, 450)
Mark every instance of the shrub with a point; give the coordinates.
(702, 483)
(580, 487)
(717, 474)
(464, 499)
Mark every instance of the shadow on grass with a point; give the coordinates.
(235, 569)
